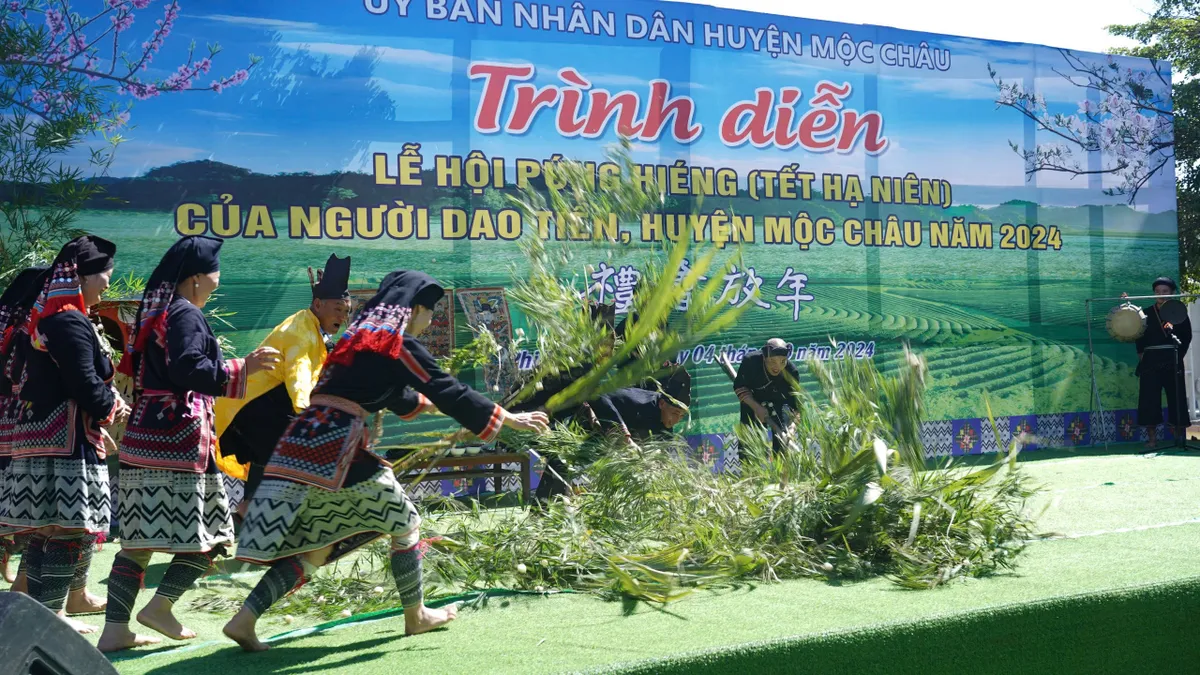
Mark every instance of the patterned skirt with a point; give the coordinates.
(286, 518)
(70, 492)
(173, 511)
(6, 533)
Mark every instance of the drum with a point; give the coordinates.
(1126, 323)
(1173, 312)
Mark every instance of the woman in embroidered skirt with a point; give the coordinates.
(323, 488)
(15, 304)
(170, 497)
(56, 486)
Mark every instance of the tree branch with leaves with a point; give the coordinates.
(1124, 115)
(64, 82)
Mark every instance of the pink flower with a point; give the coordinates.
(140, 91)
(232, 81)
(56, 23)
(122, 21)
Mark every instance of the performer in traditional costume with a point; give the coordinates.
(1161, 367)
(553, 478)
(250, 427)
(56, 487)
(171, 498)
(15, 304)
(766, 386)
(324, 487)
(640, 414)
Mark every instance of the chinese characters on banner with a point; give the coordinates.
(618, 284)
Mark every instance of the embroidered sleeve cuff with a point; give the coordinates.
(112, 414)
(235, 384)
(423, 405)
(742, 394)
(427, 405)
(494, 425)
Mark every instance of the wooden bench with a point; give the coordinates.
(481, 465)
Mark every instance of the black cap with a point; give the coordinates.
(678, 387)
(1165, 281)
(334, 282)
(775, 347)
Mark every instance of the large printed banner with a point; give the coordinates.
(884, 186)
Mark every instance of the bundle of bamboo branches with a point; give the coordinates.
(851, 496)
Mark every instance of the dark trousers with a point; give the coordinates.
(554, 480)
(776, 413)
(1156, 378)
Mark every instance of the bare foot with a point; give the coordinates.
(21, 585)
(10, 574)
(156, 615)
(118, 636)
(424, 619)
(78, 626)
(241, 629)
(83, 602)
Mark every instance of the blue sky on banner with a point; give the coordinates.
(339, 84)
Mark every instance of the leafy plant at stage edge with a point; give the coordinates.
(851, 498)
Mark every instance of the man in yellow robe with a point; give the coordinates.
(250, 427)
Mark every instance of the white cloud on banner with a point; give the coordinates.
(404, 89)
(421, 58)
(277, 24)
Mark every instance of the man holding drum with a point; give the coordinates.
(1160, 362)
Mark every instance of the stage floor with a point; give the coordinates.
(1123, 522)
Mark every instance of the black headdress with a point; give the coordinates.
(334, 282)
(379, 327)
(17, 300)
(186, 258)
(62, 289)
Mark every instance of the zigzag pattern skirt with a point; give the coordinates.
(286, 518)
(173, 511)
(43, 491)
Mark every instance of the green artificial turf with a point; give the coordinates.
(1120, 583)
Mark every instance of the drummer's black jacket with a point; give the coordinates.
(1156, 336)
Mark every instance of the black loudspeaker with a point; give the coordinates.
(33, 641)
